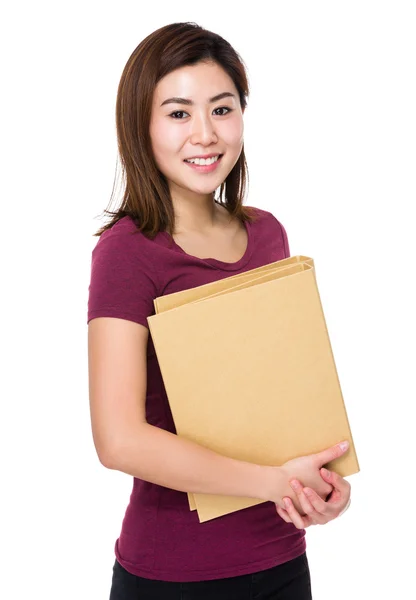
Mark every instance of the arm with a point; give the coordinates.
(126, 442)
(161, 457)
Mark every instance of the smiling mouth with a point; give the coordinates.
(191, 161)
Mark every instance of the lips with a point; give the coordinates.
(205, 168)
(204, 157)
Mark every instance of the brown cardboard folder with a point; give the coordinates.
(249, 372)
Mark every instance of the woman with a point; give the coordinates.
(179, 114)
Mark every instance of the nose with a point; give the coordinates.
(203, 130)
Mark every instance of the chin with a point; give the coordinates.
(204, 192)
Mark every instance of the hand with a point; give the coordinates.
(317, 511)
(306, 469)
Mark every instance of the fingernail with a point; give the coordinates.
(326, 472)
(344, 445)
(308, 492)
(286, 502)
(295, 485)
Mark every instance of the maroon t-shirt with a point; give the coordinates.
(161, 538)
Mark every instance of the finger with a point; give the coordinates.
(297, 487)
(346, 507)
(301, 521)
(339, 498)
(303, 501)
(323, 511)
(295, 517)
(339, 504)
(336, 481)
(283, 514)
(308, 507)
(332, 453)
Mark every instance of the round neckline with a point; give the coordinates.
(220, 264)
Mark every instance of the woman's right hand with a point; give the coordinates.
(307, 470)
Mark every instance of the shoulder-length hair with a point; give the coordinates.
(146, 196)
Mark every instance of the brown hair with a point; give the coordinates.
(147, 197)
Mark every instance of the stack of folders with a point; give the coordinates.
(249, 371)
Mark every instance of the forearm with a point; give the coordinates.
(161, 457)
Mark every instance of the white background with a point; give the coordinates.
(330, 138)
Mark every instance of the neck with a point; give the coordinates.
(195, 213)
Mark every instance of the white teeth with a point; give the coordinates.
(203, 161)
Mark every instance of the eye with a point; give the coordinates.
(177, 112)
(224, 108)
(182, 112)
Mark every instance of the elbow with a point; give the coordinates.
(106, 460)
(106, 453)
(113, 456)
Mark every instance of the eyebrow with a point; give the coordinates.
(176, 100)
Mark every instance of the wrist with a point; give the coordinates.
(273, 484)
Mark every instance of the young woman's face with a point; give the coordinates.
(180, 130)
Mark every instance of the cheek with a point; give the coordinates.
(166, 140)
(233, 133)
(159, 135)
(166, 131)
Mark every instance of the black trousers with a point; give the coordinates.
(289, 581)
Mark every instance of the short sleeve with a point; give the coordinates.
(285, 241)
(122, 280)
(282, 237)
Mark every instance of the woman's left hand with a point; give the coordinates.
(318, 511)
